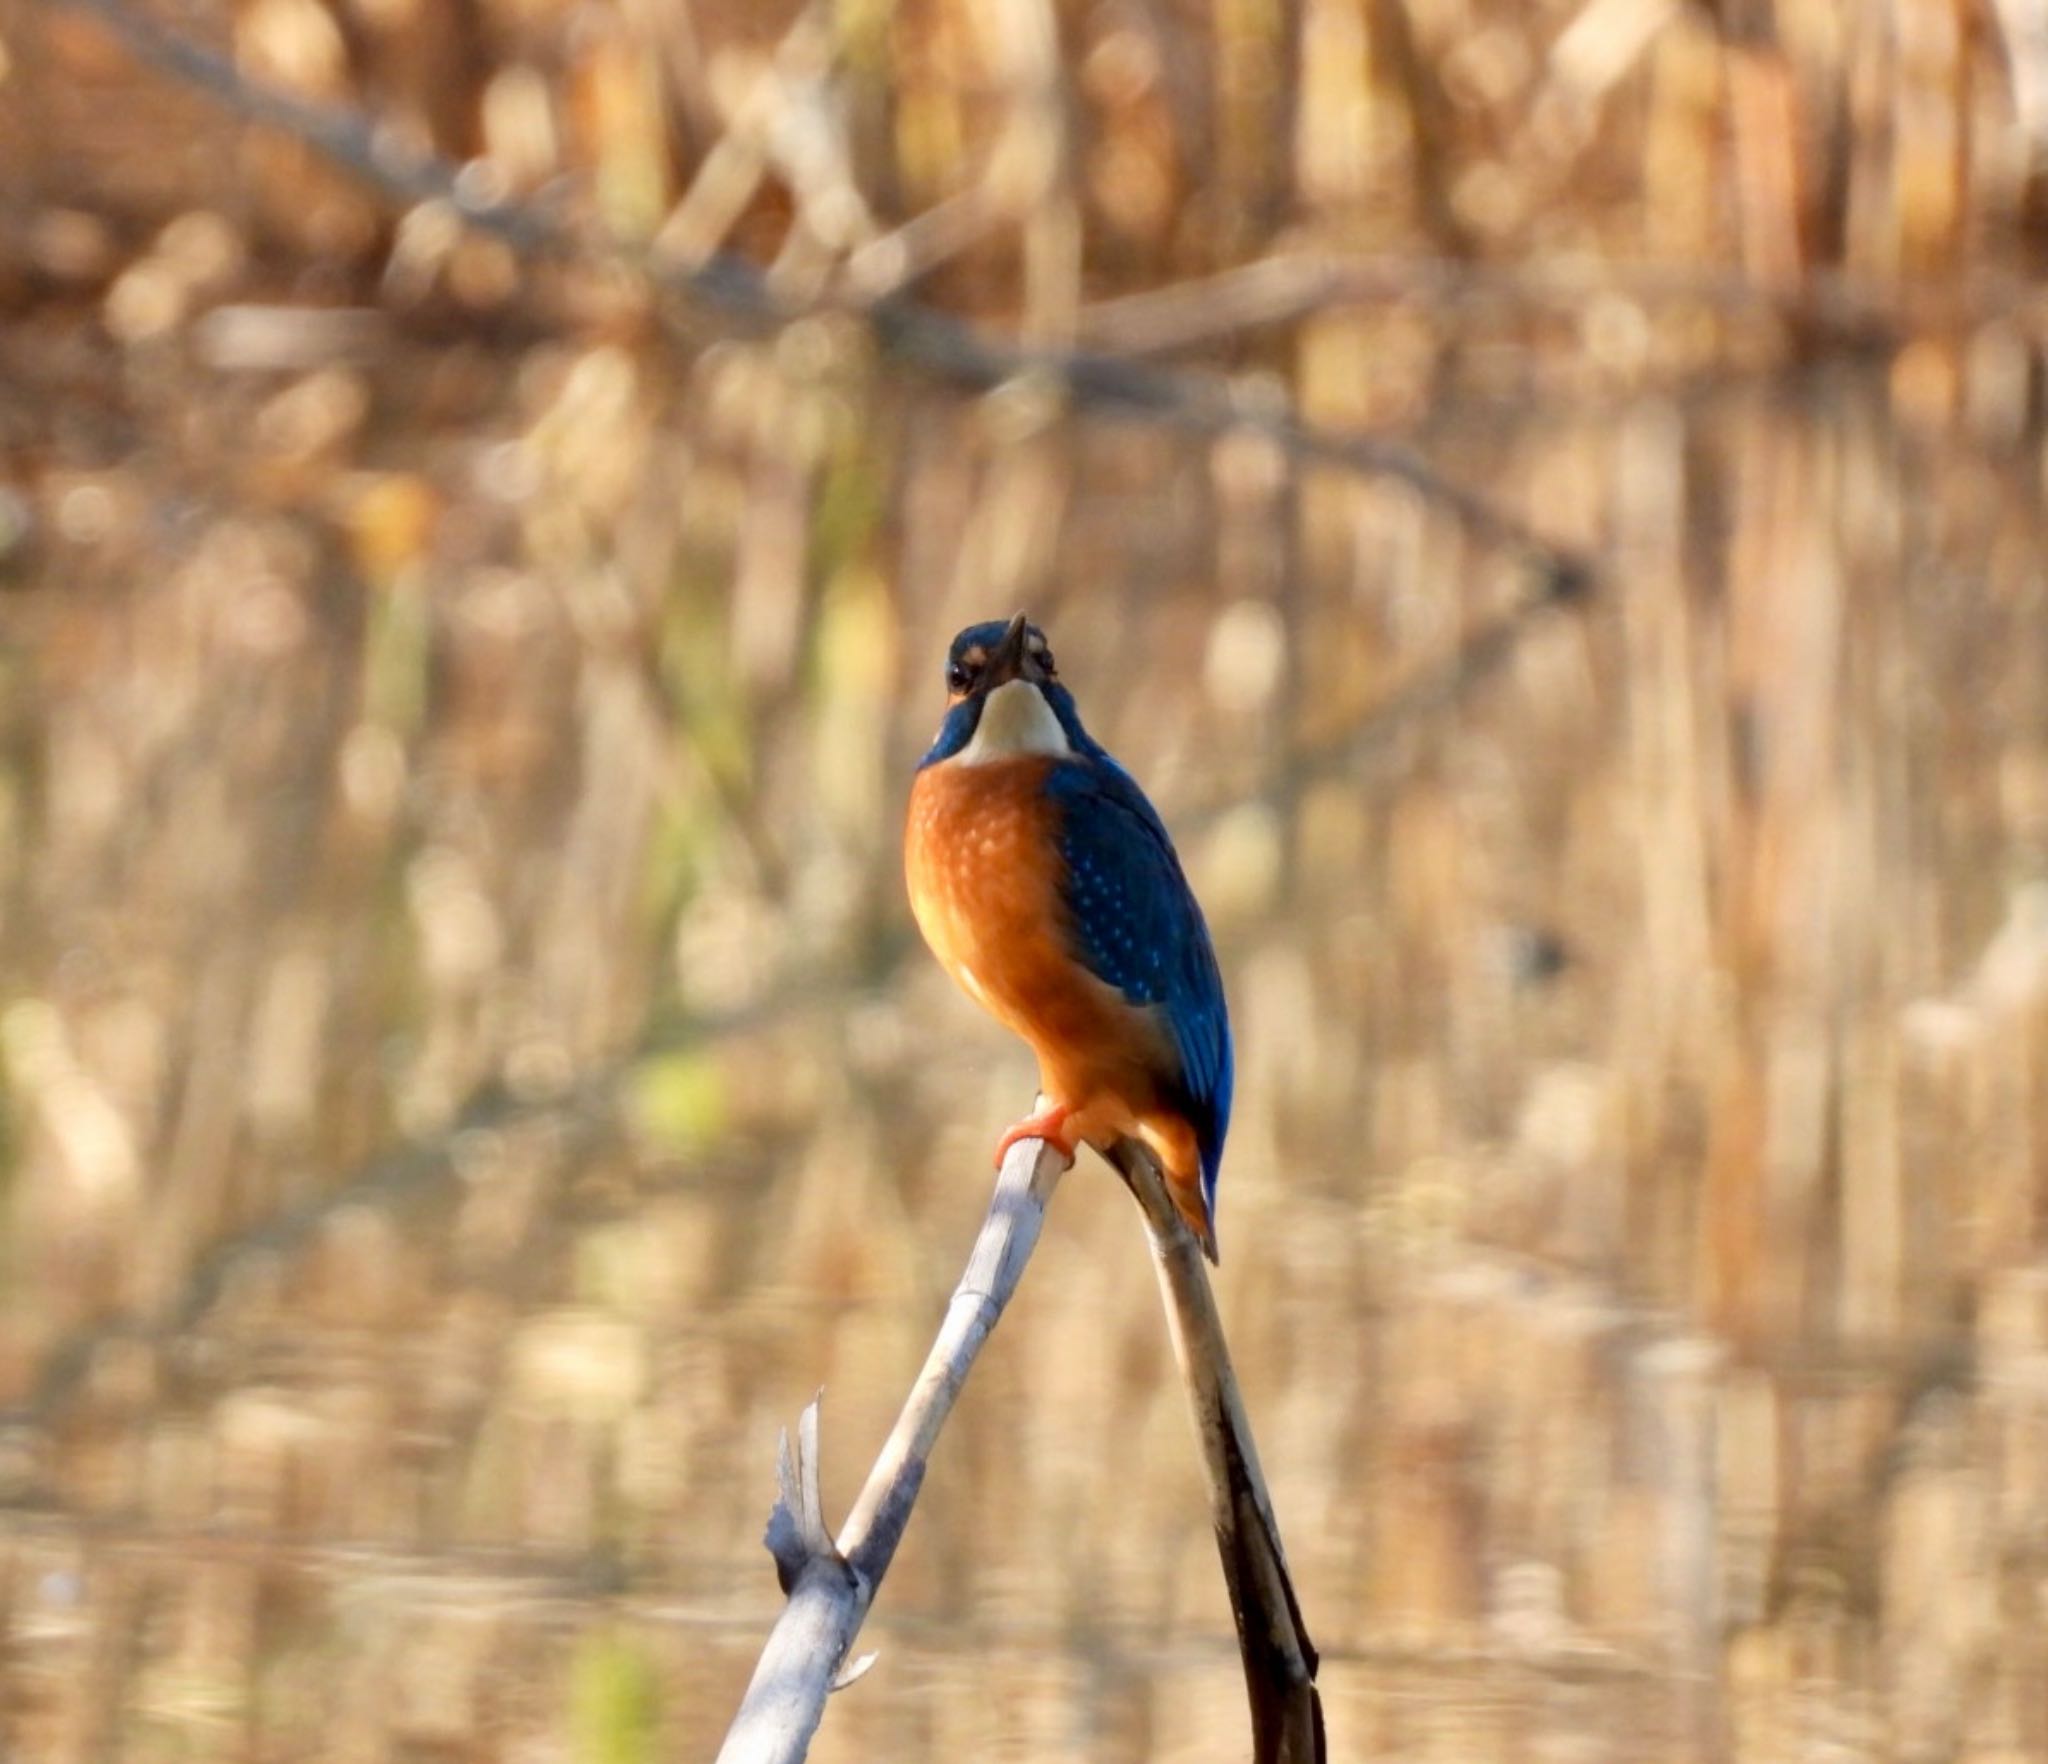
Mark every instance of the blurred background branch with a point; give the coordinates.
(684, 260)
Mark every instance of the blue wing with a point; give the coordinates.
(1136, 925)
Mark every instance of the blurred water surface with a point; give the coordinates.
(467, 1076)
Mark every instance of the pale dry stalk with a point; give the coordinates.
(831, 1585)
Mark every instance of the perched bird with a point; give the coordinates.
(1046, 885)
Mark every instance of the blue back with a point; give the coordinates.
(1136, 924)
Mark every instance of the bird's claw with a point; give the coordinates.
(1045, 1125)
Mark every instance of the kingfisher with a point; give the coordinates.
(1044, 881)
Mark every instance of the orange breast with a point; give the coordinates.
(982, 867)
(979, 858)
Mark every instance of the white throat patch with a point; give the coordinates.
(1015, 721)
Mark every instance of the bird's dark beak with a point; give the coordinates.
(1007, 663)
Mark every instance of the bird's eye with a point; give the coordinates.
(1045, 661)
(958, 677)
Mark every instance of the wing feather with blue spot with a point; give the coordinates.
(1136, 925)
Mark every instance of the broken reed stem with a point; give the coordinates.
(1279, 1659)
(830, 1585)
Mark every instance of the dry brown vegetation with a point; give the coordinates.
(465, 1074)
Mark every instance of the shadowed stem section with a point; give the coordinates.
(1279, 1658)
(831, 1586)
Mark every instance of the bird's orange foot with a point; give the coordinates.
(1045, 1125)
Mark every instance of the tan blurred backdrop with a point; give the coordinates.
(466, 1076)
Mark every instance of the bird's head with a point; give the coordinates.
(1004, 699)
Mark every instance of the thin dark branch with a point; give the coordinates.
(1273, 1642)
(1434, 687)
(1824, 307)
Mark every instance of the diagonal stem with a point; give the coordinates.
(831, 1589)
